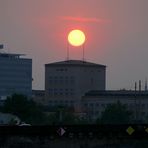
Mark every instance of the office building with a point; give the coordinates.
(15, 75)
(67, 81)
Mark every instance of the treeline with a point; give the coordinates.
(36, 114)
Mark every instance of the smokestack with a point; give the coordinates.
(135, 86)
(146, 85)
(139, 85)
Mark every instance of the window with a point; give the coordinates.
(97, 104)
(85, 104)
(91, 80)
(50, 91)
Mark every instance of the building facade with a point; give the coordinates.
(67, 81)
(15, 75)
(95, 102)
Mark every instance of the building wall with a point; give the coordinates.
(95, 105)
(15, 76)
(67, 84)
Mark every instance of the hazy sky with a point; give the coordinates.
(116, 32)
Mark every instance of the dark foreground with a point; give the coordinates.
(82, 136)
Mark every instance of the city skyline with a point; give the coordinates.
(116, 35)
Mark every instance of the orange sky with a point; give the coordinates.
(116, 35)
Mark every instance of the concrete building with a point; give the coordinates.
(95, 102)
(67, 81)
(15, 75)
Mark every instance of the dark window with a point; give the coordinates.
(92, 80)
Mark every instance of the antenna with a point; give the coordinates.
(139, 85)
(146, 84)
(135, 86)
(83, 46)
(67, 51)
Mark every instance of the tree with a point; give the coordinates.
(115, 114)
(63, 115)
(26, 109)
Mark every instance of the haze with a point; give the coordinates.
(116, 35)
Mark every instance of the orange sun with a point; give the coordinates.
(76, 37)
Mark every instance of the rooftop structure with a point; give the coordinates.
(10, 55)
(75, 63)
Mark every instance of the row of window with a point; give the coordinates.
(60, 90)
(61, 69)
(65, 69)
(61, 94)
(61, 82)
(61, 77)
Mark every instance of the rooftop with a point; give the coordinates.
(116, 93)
(74, 63)
(10, 55)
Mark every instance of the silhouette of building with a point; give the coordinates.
(67, 81)
(95, 102)
(15, 75)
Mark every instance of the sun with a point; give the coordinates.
(76, 37)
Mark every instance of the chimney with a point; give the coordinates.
(135, 86)
(146, 85)
(139, 85)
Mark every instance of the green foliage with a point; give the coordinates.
(27, 110)
(115, 114)
(63, 115)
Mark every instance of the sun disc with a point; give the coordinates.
(76, 37)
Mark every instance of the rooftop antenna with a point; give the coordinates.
(139, 85)
(67, 51)
(135, 86)
(146, 84)
(83, 46)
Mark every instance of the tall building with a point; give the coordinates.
(67, 81)
(15, 74)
